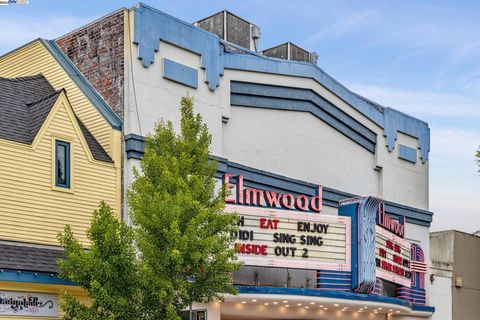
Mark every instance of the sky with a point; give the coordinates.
(419, 57)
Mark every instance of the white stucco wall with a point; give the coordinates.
(294, 144)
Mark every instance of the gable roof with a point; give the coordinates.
(79, 79)
(25, 103)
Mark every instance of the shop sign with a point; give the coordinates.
(292, 239)
(28, 304)
(256, 197)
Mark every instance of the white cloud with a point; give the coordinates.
(17, 30)
(421, 103)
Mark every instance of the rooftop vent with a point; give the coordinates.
(232, 28)
(289, 51)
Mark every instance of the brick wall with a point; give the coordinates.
(98, 52)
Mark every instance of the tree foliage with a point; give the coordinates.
(181, 227)
(478, 157)
(180, 232)
(108, 271)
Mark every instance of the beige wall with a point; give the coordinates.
(466, 299)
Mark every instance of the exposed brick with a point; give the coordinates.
(98, 52)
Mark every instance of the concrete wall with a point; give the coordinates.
(441, 259)
(466, 298)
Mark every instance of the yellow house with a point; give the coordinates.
(60, 155)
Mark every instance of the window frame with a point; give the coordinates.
(68, 166)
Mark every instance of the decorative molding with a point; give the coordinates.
(152, 26)
(407, 153)
(334, 280)
(134, 146)
(180, 73)
(296, 99)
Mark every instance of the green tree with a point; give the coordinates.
(182, 231)
(478, 157)
(108, 271)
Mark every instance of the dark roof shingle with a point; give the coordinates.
(26, 258)
(25, 103)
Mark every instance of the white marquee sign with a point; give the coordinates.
(392, 257)
(28, 304)
(292, 239)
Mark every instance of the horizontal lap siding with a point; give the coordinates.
(35, 59)
(30, 210)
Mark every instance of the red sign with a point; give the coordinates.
(256, 197)
(392, 225)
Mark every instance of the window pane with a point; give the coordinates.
(62, 165)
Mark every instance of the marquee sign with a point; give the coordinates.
(392, 252)
(28, 304)
(392, 257)
(292, 239)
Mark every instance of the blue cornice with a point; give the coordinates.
(152, 25)
(82, 83)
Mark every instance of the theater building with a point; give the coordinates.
(60, 155)
(331, 187)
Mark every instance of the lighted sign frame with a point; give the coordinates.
(405, 248)
(294, 216)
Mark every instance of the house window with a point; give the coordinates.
(62, 164)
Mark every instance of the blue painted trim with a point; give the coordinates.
(135, 145)
(112, 118)
(66, 145)
(303, 100)
(152, 25)
(416, 307)
(31, 277)
(180, 73)
(349, 295)
(407, 153)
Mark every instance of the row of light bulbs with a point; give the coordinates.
(286, 305)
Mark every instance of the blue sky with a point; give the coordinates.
(420, 57)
